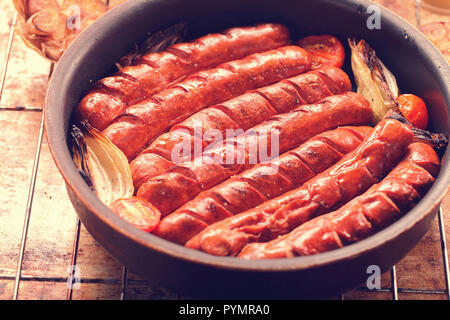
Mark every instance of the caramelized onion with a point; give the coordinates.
(104, 167)
(374, 80)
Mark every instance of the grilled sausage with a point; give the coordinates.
(261, 183)
(141, 122)
(156, 71)
(376, 209)
(169, 191)
(351, 176)
(242, 112)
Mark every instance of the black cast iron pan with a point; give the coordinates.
(419, 67)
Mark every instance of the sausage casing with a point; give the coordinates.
(169, 191)
(351, 176)
(140, 123)
(260, 183)
(156, 71)
(376, 209)
(240, 113)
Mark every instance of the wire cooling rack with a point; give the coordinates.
(394, 290)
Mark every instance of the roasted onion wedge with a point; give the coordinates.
(104, 167)
(374, 81)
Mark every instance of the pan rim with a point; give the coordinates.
(74, 181)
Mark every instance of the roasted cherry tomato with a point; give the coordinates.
(326, 51)
(139, 212)
(414, 109)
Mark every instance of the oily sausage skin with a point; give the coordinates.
(140, 123)
(380, 206)
(240, 113)
(157, 160)
(156, 71)
(350, 177)
(339, 110)
(261, 183)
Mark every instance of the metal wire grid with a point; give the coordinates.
(394, 290)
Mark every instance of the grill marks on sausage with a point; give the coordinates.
(353, 109)
(261, 183)
(267, 180)
(246, 111)
(351, 176)
(237, 194)
(180, 54)
(282, 96)
(313, 157)
(203, 89)
(347, 109)
(380, 206)
(156, 71)
(119, 85)
(153, 64)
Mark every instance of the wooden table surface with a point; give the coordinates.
(27, 166)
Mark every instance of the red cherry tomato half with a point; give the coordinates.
(139, 212)
(326, 51)
(414, 109)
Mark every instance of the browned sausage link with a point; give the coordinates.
(156, 71)
(242, 112)
(351, 176)
(171, 190)
(376, 209)
(261, 183)
(142, 122)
